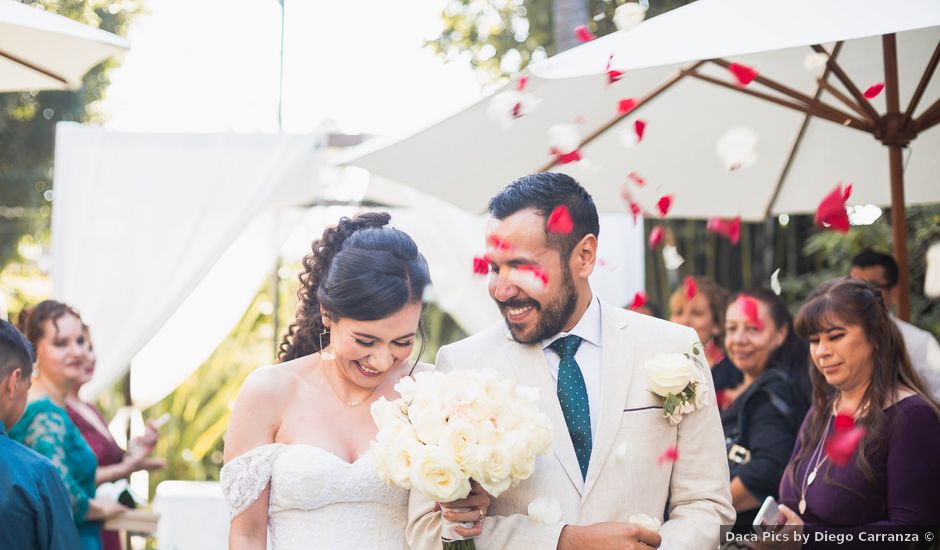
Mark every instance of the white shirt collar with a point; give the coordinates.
(588, 327)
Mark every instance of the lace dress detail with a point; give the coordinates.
(318, 500)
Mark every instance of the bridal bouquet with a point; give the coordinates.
(447, 429)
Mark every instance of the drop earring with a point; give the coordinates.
(324, 354)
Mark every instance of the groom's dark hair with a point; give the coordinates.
(543, 192)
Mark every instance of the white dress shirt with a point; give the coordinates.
(924, 351)
(588, 356)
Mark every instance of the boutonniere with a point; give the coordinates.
(679, 378)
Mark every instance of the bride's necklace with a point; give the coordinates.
(340, 398)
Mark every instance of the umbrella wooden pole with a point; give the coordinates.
(893, 138)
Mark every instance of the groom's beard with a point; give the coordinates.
(551, 318)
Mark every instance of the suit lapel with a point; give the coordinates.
(618, 354)
(528, 362)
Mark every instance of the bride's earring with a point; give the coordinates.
(324, 354)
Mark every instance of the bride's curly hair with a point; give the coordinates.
(360, 269)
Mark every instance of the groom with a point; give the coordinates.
(587, 360)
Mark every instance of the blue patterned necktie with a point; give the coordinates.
(572, 395)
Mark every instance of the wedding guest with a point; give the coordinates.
(32, 497)
(113, 462)
(56, 332)
(862, 369)
(705, 313)
(881, 270)
(761, 423)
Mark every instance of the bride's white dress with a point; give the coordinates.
(317, 499)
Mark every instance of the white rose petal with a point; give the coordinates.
(645, 521)
(671, 257)
(815, 63)
(564, 138)
(737, 148)
(629, 15)
(385, 412)
(545, 510)
(669, 373)
(675, 417)
(407, 388)
(620, 453)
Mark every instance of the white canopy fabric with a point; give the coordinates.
(677, 155)
(44, 51)
(140, 222)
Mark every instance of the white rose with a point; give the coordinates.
(385, 412)
(399, 431)
(523, 450)
(491, 468)
(393, 461)
(629, 15)
(437, 475)
(427, 416)
(545, 510)
(669, 373)
(407, 388)
(643, 520)
(620, 453)
(459, 439)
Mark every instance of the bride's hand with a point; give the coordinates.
(477, 501)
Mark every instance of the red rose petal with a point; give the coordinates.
(841, 446)
(742, 73)
(691, 287)
(750, 309)
(536, 271)
(656, 236)
(722, 399)
(669, 455)
(730, 228)
(583, 34)
(636, 178)
(844, 421)
(664, 204)
(517, 110)
(831, 214)
(626, 105)
(873, 90)
(635, 210)
(639, 126)
(559, 221)
(520, 85)
(498, 242)
(613, 75)
(639, 300)
(566, 158)
(480, 266)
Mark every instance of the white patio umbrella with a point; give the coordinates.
(44, 51)
(811, 133)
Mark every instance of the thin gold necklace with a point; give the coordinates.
(340, 399)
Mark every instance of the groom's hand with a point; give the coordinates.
(607, 536)
(457, 511)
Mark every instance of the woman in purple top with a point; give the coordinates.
(113, 462)
(862, 369)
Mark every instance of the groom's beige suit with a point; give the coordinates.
(695, 487)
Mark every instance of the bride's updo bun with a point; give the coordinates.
(360, 269)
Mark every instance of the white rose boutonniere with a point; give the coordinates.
(679, 379)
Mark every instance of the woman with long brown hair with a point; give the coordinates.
(862, 370)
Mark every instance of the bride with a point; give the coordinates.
(298, 472)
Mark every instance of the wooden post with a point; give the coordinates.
(892, 138)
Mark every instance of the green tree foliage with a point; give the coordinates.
(27, 125)
(502, 36)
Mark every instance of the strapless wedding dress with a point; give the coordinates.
(318, 500)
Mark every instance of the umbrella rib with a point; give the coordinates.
(786, 90)
(922, 86)
(799, 137)
(929, 118)
(810, 109)
(824, 84)
(642, 101)
(32, 67)
(849, 85)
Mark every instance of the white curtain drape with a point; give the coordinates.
(140, 220)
